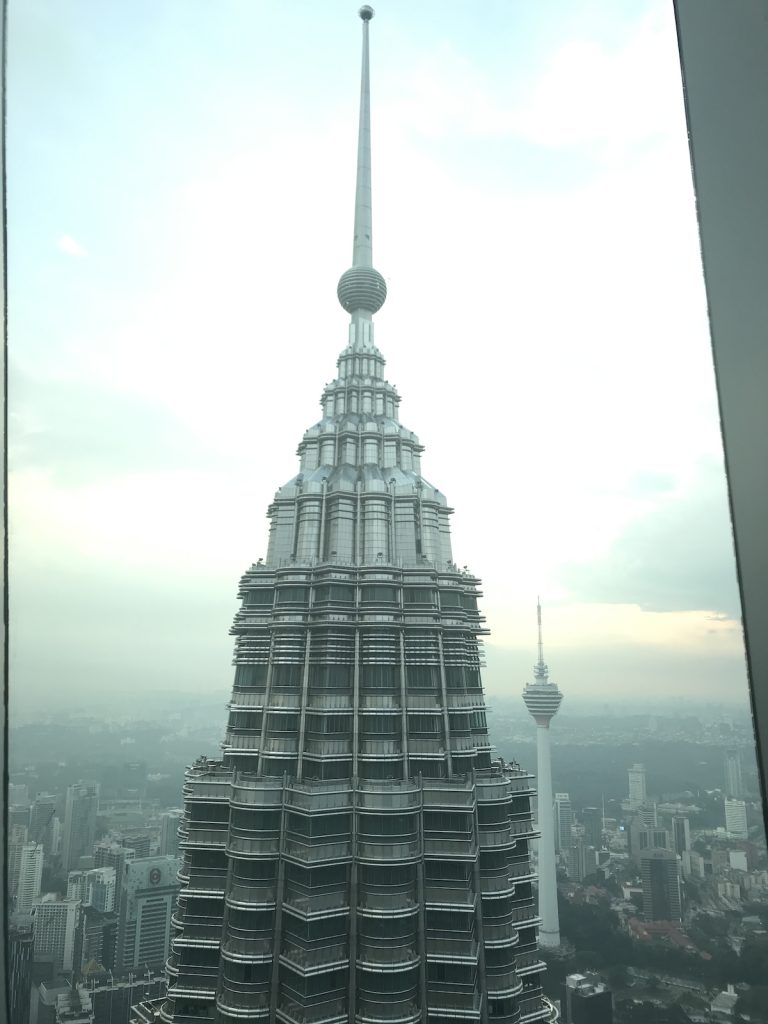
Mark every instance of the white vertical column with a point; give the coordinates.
(549, 931)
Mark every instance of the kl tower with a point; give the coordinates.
(542, 698)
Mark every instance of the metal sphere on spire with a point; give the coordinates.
(361, 289)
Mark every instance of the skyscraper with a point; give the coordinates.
(733, 783)
(736, 818)
(660, 872)
(592, 819)
(55, 925)
(587, 1000)
(563, 822)
(542, 698)
(41, 817)
(169, 827)
(20, 950)
(681, 834)
(148, 896)
(357, 854)
(30, 877)
(79, 823)
(637, 789)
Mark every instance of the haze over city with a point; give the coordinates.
(546, 328)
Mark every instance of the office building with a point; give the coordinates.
(30, 877)
(42, 814)
(99, 940)
(660, 872)
(637, 787)
(136, 840)
(648, 814)
(592, 820)
(543, 699)
(79, 831)
(736, 818)
(357, 853)
(581, 861)
(55, 923)
(18, 814)
(586, 1000)
(734, 787)
(73, 1006)
(169, 828)
(20, 951)
(109, 854)
(149, 887)
(94, 888)
(681, 834)
(18, 795)
(563, 822)
(17, 840)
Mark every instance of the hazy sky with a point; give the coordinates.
(180, 198)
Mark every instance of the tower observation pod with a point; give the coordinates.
(543, 699)
(356, 853)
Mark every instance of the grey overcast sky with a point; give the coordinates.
(180, 186)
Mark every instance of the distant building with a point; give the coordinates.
(736, 818)
(582, 861)
(74, 1007)
(20, 951)
(18, 814)
(113, 999)
(662, 898)
(55, 926)
(637, 786)
(654, 839)
(734, 786)
(94, 888)
(112, 855)
(169, 839)
(586, 1000)
(30, 877)
(723, 1006)
(41, 816)
(592, 820)
(136, 840)
(79, 823)
(649, 814)
(18, 794)
(681, 834)
(563, 822)
(149, 887)
(99, 939)
(693, 865)
(17, 839)
(737, 860)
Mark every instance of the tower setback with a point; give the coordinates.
(357, 853)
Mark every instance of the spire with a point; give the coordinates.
(541, 671)
(362, 290)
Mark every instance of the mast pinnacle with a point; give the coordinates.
(361, 289)
(541, 671)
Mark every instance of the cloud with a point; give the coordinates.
(677, 557)
(71, 246)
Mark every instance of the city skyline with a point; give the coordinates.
(128, 444)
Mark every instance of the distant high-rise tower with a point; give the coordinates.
(681, 834)
(660, 872)
(149, 888)
(542, 698)
(592, 819)
(30, 877)
(357, 854)
(55, 926)
(41, 817)
(734, 786)
(736, 818)
(169, 828)
(79, 823)
(563, 822)
(637, 787)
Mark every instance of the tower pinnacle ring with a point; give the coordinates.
(366, 12)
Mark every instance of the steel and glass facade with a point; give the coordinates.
(357, 853)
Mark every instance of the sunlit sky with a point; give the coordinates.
(180, 198)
